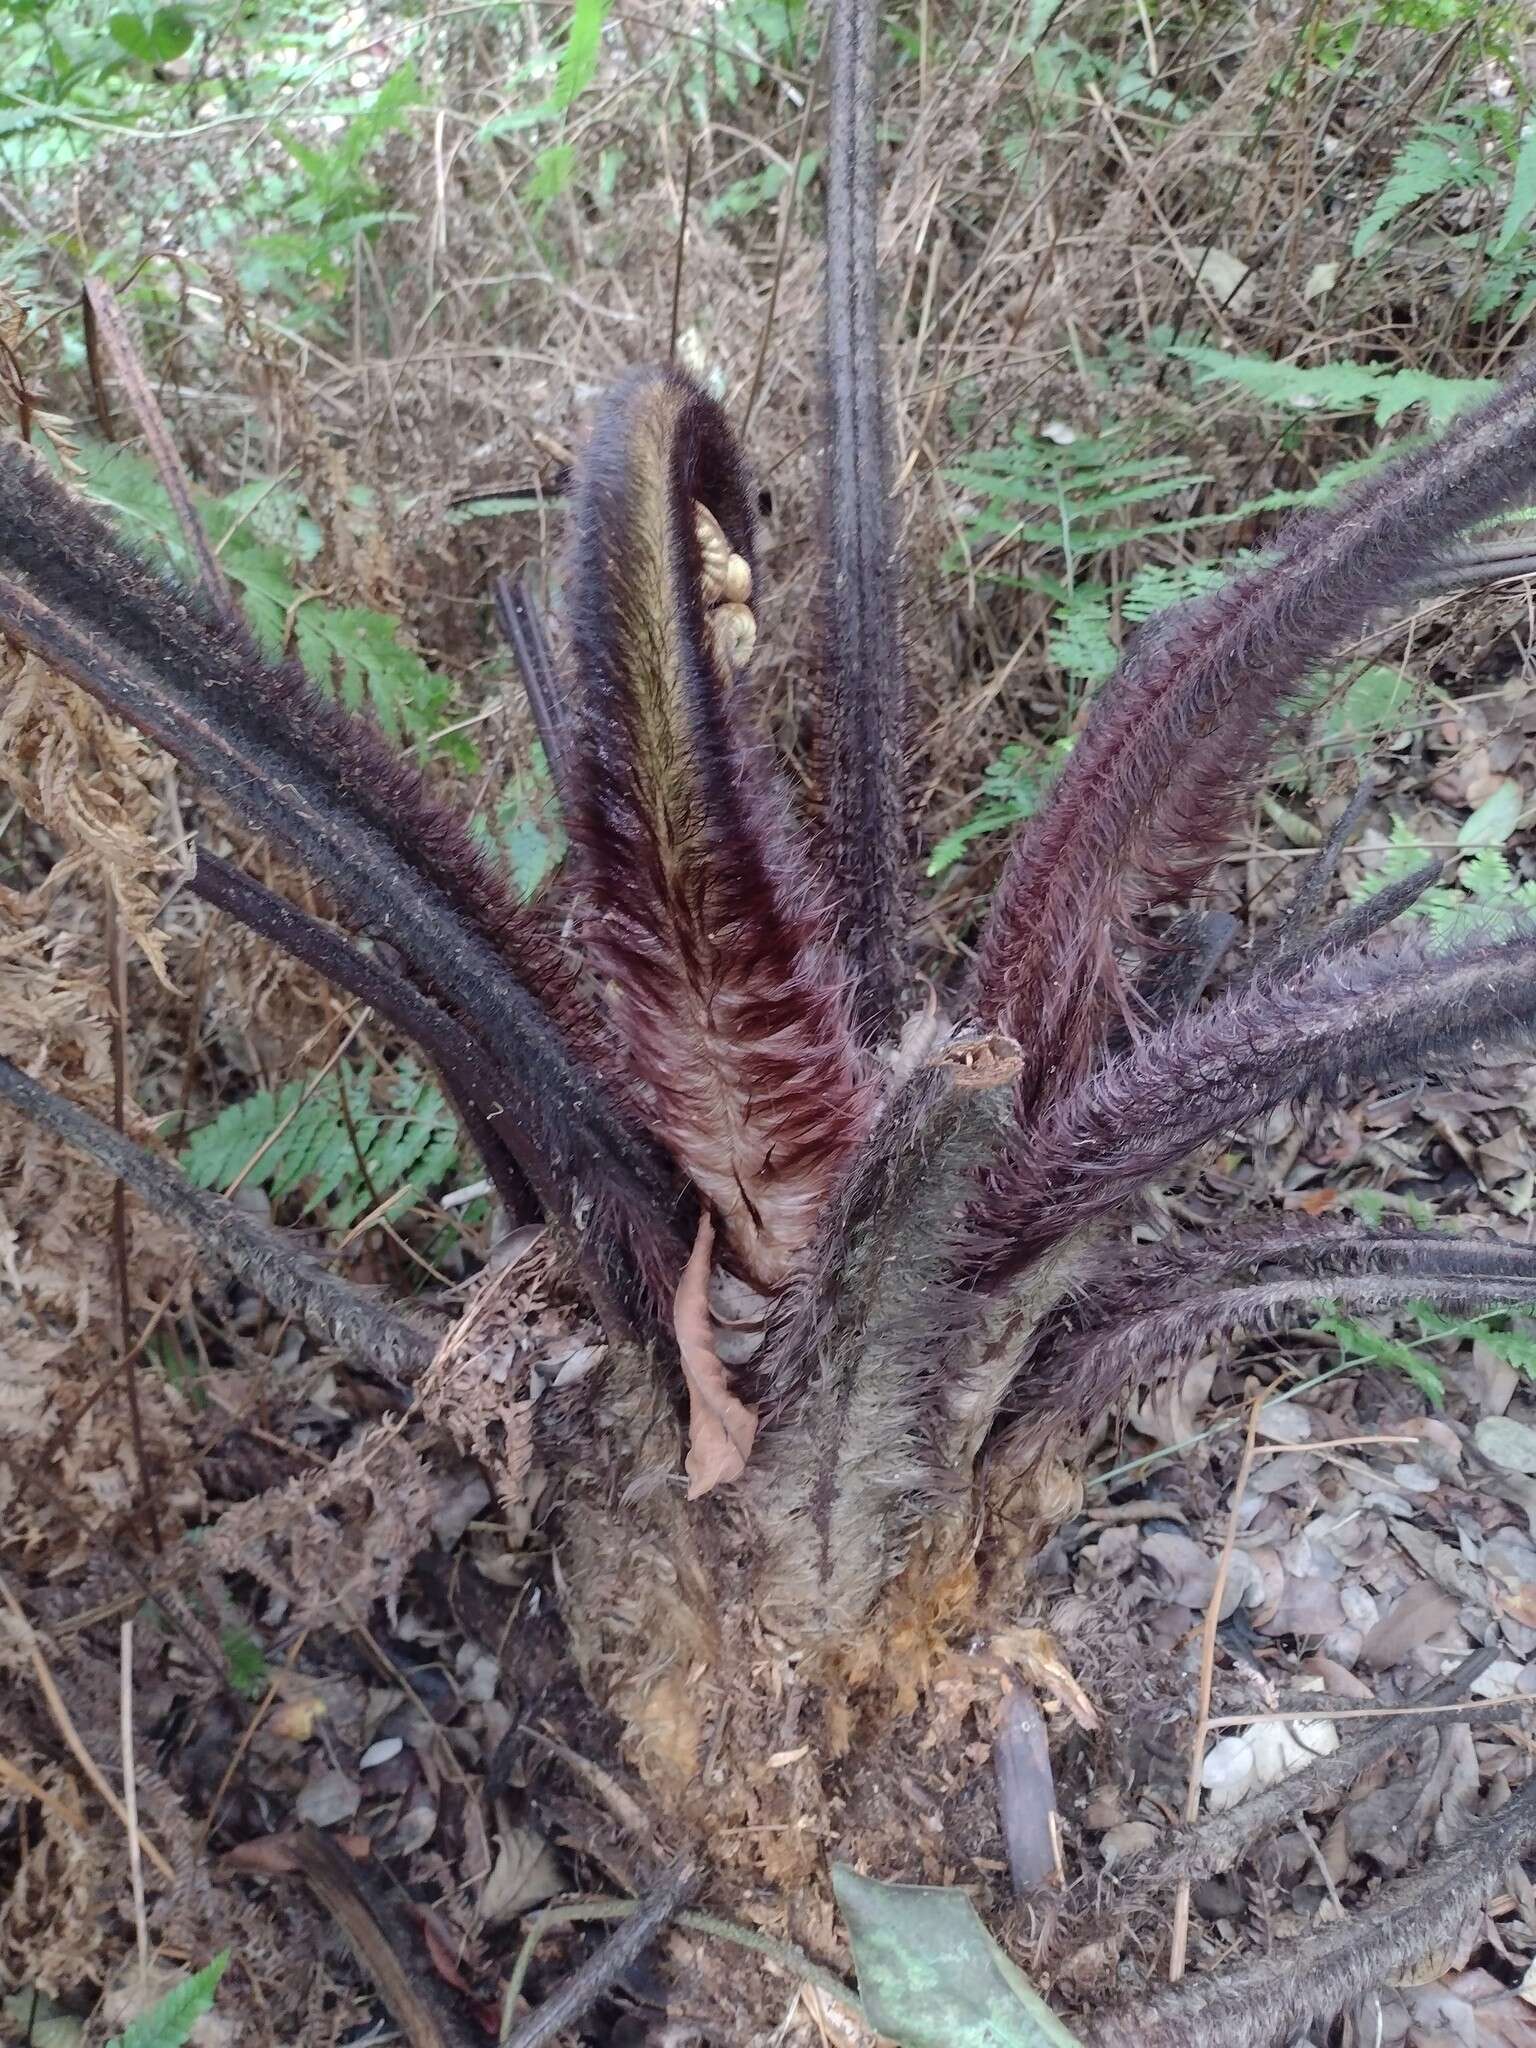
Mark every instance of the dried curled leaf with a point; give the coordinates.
(333, 1540)
(476, 1389)
(720, 1427)
(1039, 1658)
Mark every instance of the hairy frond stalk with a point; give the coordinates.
(708, 926)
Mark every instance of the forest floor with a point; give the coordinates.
(1151, 276)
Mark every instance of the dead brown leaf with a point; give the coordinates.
(720, 1427)
(1417, 1618)
(1039, 1658)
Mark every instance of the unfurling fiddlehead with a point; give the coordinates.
(708, 925)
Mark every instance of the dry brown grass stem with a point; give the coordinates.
(1179, 1943)
(62, 1720)
(131, 1798)
(21, 1781)
(1454, 1709)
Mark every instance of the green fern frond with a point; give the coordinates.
(1504, 1332)
(326, 1139)
(1339, 387)
(171, 2019)
(349, 651)
(1433, 161)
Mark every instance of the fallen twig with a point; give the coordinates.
(54, 1701)
(331, 1309)
(381, 1937)
(131, 1801)
(582, 1989)
(104, 322)
(782, 1953)
(1180, 1938)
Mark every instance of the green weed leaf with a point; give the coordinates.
(553, 169)
(931, 1976)
(1358, 1342)
(1522, 199)
(244, 1663)
(169, 2022)
(524, 833)
(159, 39)
(579, 63)
(1368, 708)
(1495, 817)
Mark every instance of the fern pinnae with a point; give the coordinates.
(1332, 571)
(707, 922)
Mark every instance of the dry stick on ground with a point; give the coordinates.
(131, 1799)
(117, 968)
(1306, 1981)
(1179, 1942)
(54, 1701)
(682, 247)
(1306, 905)
(331, 1309)
(582, 1989)
(521, 624)
(782, 1954)
(104, 322)
(382, 1937)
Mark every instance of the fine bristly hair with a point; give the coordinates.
(923, 1231)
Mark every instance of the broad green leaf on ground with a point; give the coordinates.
(930, 1975)
(170, 2020)
(1495, 818)
(159, 38)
